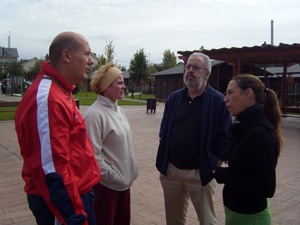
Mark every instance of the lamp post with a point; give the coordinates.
(7, 83)
(12, 75)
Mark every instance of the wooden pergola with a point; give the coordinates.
(263, 55)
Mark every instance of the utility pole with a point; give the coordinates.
(8, 54)
(272, 32)
(149, 79)
(12, 74)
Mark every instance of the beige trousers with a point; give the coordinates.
(180, 185)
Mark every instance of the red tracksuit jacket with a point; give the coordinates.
(59, 162)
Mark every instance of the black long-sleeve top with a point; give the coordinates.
(252, 158)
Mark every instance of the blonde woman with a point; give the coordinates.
(110, 134)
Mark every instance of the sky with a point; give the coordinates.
(152, 25)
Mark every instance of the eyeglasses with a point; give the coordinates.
(195, 67)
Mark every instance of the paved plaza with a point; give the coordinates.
(146, 192)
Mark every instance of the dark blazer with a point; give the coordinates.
(214, 132)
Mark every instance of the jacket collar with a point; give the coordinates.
(107, 102)
(51, 72)
(252, 116)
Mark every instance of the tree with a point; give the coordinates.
(122, 68)
(138, 68)
(157, 67)
(109, 51)
(12, 70)
(107, 56)
(47, 57)
(102, 60)
(169, 59)
(153, 68)
(15, 68)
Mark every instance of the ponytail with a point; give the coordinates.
(265, 97)
(273, 112)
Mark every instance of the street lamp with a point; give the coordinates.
(7, 76)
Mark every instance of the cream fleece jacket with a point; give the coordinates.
(110, 134)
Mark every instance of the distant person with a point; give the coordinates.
(255, 145)
(59, 168)
(193, 139)
(110, 134)
(4, 86)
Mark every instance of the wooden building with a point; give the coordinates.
(170, 80)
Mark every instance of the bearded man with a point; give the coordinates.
(193, 140)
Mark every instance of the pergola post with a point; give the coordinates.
(185, 59)
(239, 66)
(283, 102)
(234, 70)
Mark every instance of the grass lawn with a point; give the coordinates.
(7, 115)
(90, 97)
(140, 97)
(143, 97)
(84, 99)
(91, 100)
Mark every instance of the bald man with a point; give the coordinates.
(59, 167)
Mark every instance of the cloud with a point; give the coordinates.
(154, 25)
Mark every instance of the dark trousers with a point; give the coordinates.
(112, 207)
(44, 215)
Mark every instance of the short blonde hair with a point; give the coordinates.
(104, 77)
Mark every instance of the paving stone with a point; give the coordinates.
(147, 196)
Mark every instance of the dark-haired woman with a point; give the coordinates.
(256, 140)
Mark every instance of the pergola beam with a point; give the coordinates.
(264, 55)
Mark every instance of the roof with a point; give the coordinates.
(266, 54)
(174, 70)
(6, 52)
(179, 69)
(295, 69)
